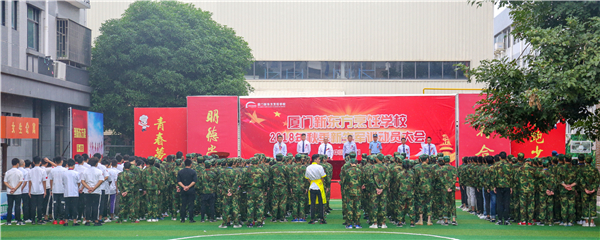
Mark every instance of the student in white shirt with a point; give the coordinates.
(80, 168)
(279, 147)
(25, 193)
(119, 162)
(326, 148)
(47, 206)
(303, 146)
(57, 189)
(13, 180)
(71, 182)
(403, 148)
(349, 146)
(92, 179)
(37, 190)
(105, 188)
(112, 192)
(315, 174)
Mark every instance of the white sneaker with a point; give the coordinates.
(174, 219)
(28, 221)
(155, 220)
(149, 220)
(222, 226)
(108, 220)
(592, 224)
(237, 226)
(482, 217)
(8, 224)
(373, 226)
(585, 225)
(439, 222)
(384, 226)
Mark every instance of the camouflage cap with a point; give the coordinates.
(581, 157)
(545, 163)
(254, 160)
(439, 155)
(401, 157)
(588, 159)
(188, 156)
(423, 157)
(352, 155)
(380, 157)
(298, 156)
(575, 161)
(520, 156)
(446, 159)
(364, 156)
(279, 157)
(510, 156)
(514, 160)
(353, 160)
(569, 156)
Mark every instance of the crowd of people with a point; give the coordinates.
(558, 189)
(239, 192)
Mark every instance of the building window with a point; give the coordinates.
(15, 5)
(3, 13)
(33, 27)
(61, 37)
(277, 70)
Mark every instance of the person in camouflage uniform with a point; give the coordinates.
(526, 180)
(353, 185)
(229, 186)
(168, 194)
(423, 189)
(298, 186)
(152, 177)
(516, 192)
(175, 196)
(369, 189)
(126, 187)
(548, 183)
(343, 187)
(502, 181)
(137, 194)
(327, 180)
(406, 180)
(437, 206)
(279, 180)
(568, 179)
(447, 181)
(254, 179)
(207, 190)
(590, 181)
(393, 198)
(379, 179)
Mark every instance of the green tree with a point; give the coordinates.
(157, 54)
(559, 81)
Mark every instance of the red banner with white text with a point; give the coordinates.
(213, 124)
(79, 132)
(471, 141)
(160, 131)
(542, 145)
(391, 117)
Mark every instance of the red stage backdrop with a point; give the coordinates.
(160, 131)
(542, 145)
(471, 141)
(79, 132)
(391, 117)
(212, 124)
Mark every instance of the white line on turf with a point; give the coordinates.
(296, 232)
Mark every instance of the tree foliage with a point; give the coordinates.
(560, 80)
(157, 54)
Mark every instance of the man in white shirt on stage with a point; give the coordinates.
(279, 147)
(303, 146)
(403, 148)
(325, 148)
(349, 146)
(429, 148)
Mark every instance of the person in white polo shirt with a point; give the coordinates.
(57, 189)
(92, 179)
(27, 216)
(37, 190)
(13, 180)
(71, 182)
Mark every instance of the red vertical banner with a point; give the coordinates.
(212, 124)
(79, 132)
(471, 141)
(160, 131)
(542, 145)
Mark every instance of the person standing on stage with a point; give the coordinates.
(325, 148)
(403, 148)
(303, 146)
(375, 146)
(429, 148)
(279, 147)
(349, 146)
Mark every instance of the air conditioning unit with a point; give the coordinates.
(499, 46)
(60, 70)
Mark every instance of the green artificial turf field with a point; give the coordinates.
(470, 227)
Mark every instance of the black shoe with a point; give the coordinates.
(192, 221)
(97, 224)
(182, 221)
(87, 224)
(311, 222)
(75, 224)
(323, 221)
(499, 223)
(201, 220)
(66, 224)
(454, 223)
(412, 225)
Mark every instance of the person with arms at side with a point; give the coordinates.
(71, 182)
(349, 146)
(429, 148)
(13, 179)
(403, 148)
(375, 146)
(57, 189)
(316, 194)
(37, 190)
(279, 147)
(326, 148)
(303, 146)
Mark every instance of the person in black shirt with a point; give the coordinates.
(186, 179)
